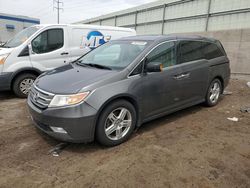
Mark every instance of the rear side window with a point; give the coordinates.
(211, 50)
(190, 51)
(48, 41)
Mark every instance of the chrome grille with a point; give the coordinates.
(40, 98)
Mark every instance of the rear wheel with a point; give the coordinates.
(213, 93)
(116, 123)
(22, 84)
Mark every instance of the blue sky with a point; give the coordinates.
(74, 10)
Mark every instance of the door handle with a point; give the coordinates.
(178, 77)
(65, 53)
(185, 75)
(182, 76)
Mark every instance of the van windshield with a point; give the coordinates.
(21, 37)
(115, 55)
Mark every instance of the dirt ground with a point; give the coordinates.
(196, 147)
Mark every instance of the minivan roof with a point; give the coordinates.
(89, 26)
(167, 37)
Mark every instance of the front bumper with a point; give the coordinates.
(78, 121)
(5, 81)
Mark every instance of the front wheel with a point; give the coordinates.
(213, 93)
(116, 123)
(22, 84)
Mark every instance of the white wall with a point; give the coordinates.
(189, 16)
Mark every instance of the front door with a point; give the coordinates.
(49, 49)
(161, 90)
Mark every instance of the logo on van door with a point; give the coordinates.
(95, 39)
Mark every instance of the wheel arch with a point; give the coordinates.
(23, 71)
(126, 97)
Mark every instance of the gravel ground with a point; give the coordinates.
(196, 147)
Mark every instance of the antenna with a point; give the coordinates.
(58, 6)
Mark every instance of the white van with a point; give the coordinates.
(40, 48)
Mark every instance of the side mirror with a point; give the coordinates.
(154, 67)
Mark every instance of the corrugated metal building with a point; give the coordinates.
(177, 16)
(11, 25)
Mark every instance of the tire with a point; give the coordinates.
(113, 130)
(215, 89)
(19, 88)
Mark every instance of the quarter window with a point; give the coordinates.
(163, 54)
(48, 41)
(137, 70)
(190, 51)
(211, 50)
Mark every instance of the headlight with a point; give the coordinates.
(3, 58)
(67, 100)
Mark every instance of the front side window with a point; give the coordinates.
(48, 41)
(163, 54)
(190, 51)
(114, 55)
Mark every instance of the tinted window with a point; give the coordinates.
(48, 41)
(164, 54)
(211, 50)
(190, 51)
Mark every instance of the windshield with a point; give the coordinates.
(114, 55)
(21, 37)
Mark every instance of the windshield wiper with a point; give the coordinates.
(81, 64)
(98, 66)
(94, 65)
(4, 46)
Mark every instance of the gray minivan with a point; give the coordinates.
(118, 86)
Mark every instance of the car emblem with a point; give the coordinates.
(35, 96)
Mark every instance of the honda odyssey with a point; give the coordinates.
(110, 91)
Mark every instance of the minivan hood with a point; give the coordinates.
(5, 50)
(70, 78)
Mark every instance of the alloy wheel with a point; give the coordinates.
(215, 92)
(118, 123)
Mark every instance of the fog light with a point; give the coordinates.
(58, 130)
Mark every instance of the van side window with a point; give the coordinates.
(211, 50)
(164, 54)
(48, 41)
(190, 51)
